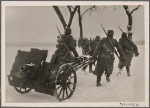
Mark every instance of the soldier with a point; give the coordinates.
(64, 48)
(68, 42)
(90, 51)
(55, 61)
(104, 50)
(129, 48)
(97, 39)
(93, 45)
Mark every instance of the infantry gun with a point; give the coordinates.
(31, 71)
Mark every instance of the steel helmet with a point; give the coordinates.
(97, 38)
(67, 31)
(124, 35)
(110, 32)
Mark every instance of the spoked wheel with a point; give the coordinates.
(65, 83)
(22, 90)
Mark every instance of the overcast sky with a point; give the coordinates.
(36, 24)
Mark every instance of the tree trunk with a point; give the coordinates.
(129, 28)
(80, 23)
(130, 19)
(60, 16)
(81, 28)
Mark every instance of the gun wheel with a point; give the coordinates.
(65, 83)
(22, 90)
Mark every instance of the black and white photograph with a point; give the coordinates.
(75, 53)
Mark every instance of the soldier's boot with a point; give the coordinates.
(120, 70)
(91, 71)
(107, 78)
(98, 84)
(128, 70)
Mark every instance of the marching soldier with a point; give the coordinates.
(104, 51)
(68, 42)
(90, 51)
(94, 43)
(129, 48)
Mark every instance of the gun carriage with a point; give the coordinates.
(31, 71)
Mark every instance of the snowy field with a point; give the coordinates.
(121, 89)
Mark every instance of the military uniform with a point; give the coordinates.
(64, 48)
(93, 45)
(68, 42)
(55, 61)
(128, 50)
(105, 57)
(90, 48)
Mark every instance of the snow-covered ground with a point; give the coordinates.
(121, 88)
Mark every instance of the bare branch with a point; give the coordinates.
(135, 9)
(87, 10)
(69, 8)
(126, 9)
(75, 9)
(71, 16)
(60, 16)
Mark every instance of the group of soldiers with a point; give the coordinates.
(100, 50)
(88, 47)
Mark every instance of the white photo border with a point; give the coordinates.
(84, 3)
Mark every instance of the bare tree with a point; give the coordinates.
(130, 18)
(81, 17)
(59, 14)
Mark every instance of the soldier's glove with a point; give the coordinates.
(123, 61)
(79, 59)
(136, 54)
(94, 58)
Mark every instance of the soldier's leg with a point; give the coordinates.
(108, 73)
(90, 67)
(120, 66)
(128, 70)
(84, 68)
(100, 68)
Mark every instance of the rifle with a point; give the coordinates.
(120, 29)
(64, 43)
(111, 45)
(132, 44)
(89, 44)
